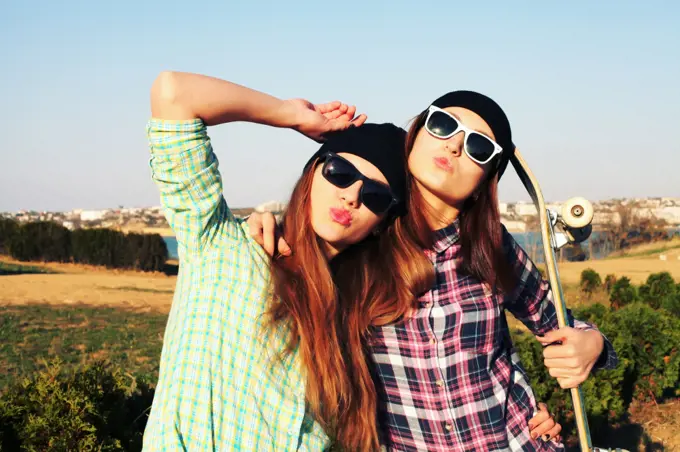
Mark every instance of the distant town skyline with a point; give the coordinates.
(515, 216)
(590, 88)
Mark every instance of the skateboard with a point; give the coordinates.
(572, 224)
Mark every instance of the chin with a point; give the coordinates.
(435, 183)
(329, 232)
(443, 191)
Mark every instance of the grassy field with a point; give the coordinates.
(81, 314)
(78, 334)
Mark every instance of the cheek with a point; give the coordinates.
(416, 160)
(320, 196)
(366, 224)
(473, 174)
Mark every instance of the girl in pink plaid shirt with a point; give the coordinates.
(448, 376)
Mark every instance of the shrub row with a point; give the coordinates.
(659, 291)
(47, 241)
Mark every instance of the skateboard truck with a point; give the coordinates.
(572, 224)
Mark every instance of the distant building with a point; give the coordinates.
(271, 206)
(670, 214)
(515, 226)
(92, 215)
(525, 209)
(503, 208)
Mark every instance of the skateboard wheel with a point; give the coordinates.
(577, 213)
(578, 235)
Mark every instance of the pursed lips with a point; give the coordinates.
(443, 163)
(341, 216)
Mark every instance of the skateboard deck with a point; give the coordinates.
(551, 242)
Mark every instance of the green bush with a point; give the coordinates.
(44, 241)
(648, 345)
(622, 293)
(671, 304)
(8, 228)
(609, 282)
(95, 408)
(51, 242)
(658, 287)
(590, 281)
(146, 252)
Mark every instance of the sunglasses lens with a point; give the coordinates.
(479, 147)
(376, 197)
(339, 172)
(440, 124)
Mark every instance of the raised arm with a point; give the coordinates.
(181, 95)
(183, 164)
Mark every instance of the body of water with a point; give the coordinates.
(530, 241)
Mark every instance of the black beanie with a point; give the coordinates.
(490, 112)
(381, 144)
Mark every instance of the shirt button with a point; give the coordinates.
(440, 383)
(448, 427)
(432, 341)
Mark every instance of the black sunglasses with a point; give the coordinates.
(376, 196)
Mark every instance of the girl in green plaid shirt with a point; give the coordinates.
(253, 358)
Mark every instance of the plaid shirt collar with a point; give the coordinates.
(446, 237)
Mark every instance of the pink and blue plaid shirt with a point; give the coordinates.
(449, 377)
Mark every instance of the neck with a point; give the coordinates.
(329, 250)
(438, 213)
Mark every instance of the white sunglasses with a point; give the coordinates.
(443, 125)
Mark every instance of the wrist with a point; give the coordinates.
(598, 343)
(285, 115)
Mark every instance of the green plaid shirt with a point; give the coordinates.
(223, 384)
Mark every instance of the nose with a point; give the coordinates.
(350, 195)
(454, 144)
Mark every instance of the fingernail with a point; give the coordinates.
(546, 438)
(534, 435)
(531, 426)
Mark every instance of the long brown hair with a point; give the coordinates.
(329, 307)
(481, 233)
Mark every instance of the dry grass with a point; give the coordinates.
(661, 422)
(665, 247)
(637, 263)
(143, 229)
(89, 285)
(635, 268)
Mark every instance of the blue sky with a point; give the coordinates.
(592, 89)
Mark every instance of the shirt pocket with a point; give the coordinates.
(477, 323)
